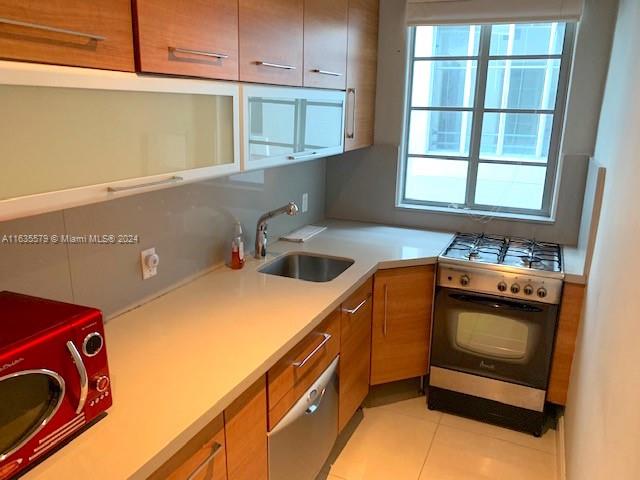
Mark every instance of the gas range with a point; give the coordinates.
(507, 266)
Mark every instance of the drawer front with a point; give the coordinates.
(202, 458)
(295, 373)
(83, 33)
(192, 37)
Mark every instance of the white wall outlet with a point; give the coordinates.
(305, 202)
(149, 260)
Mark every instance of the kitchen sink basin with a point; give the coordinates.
(310, 267)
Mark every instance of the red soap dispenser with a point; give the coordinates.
(237, 249)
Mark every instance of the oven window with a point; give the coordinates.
(27, 400)
(492, 335)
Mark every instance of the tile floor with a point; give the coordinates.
(400, 439)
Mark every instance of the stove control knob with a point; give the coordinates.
(528, 289)
(515, 288)
(464, 280)
(502, 287)
(542, 292)
(102, 383)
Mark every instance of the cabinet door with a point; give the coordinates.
(355, 352)
(190, 37)
(83, 33)
(325, 43)
(271, 41)
(362, 61)
(245, 424)
(402, 305)
(202, 458)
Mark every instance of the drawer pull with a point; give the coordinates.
(217, 448)
(300, 157)
(353, 311)
(198, 52)
(47, 28)
(351, 133)
(302, 363)
(173, 179)
(276, 65)
(326, 72)
(384, 327)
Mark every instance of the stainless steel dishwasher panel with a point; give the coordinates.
(301, 442)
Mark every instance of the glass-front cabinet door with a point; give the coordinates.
(285, 125)
(77, 136)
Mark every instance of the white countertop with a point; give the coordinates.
(178, 361)
(574, 265)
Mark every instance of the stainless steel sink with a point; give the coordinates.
(310, 267)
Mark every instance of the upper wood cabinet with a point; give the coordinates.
(355, 352)
(362, 62)
(190, 37)
(325, 43)
(402, 304)
(271, 36)
(84, 33)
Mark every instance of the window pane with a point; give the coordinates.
(515, 186)
(527, 39)
(444, 83)
(435, 180)
(447, 41)
(516, 136)
(439, 133)
(530, 84)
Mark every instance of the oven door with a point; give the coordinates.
(493, 337)
(28, 399)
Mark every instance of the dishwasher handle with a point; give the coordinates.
(313, 408)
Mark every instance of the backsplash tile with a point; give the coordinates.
(190, 226)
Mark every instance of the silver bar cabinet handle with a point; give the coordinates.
(302, 363)
(352, 133)
(384, 325)
(217, 448)
(82, 371)
(326, 72)
(276, 65)
(47, 28)
(298, 157)
(198, 52)
(174, 179)
(353, 311)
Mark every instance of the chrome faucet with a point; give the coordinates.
(261, 228)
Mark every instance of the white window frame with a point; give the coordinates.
(478, 109)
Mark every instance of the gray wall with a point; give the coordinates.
(191, 227)
(361, 185)
(602, 414)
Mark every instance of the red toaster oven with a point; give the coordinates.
(54, 378)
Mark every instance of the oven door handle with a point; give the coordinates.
(495, 303)
(84, 378)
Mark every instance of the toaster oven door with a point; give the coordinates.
(29, 399)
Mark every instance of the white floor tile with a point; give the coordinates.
(461, 455)
(413, 407)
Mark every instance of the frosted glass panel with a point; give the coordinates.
(516, 186)
(57, 138)
(436, 180)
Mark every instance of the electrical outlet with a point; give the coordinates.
(305, 202)
(149, 261)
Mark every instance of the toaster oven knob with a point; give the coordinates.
(542, 292)
(515, 288)
(92, 344)
(464, 280)
(502, 287)
(528, 290)
(102, 383)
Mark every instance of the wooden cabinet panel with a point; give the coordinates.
(355, 352)
(362, 64)
(565, 345)
(203, 455)
(402, 304)
(190, 37)
(325, 43)
(84, 33)
(287, 382)
(271, 36)
(245, 424)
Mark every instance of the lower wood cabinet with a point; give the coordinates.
(565, 345)
(355, 352)
(402, 305)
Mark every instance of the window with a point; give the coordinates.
(484, 114)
